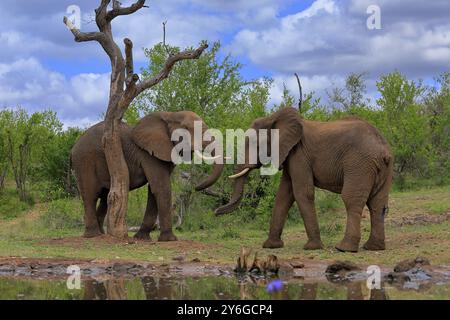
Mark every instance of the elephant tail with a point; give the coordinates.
(385, 173)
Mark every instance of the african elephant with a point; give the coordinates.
(147, 149)
(347, 156)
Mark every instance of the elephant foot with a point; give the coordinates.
(273, 243)
(167, 236)
(348, 246)
(142, 235)
(374, 244)
(92, 233)
(313, 245)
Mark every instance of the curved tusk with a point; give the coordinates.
(240, 174)
(201, 156)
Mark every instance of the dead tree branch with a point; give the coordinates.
(119, 11)
(164, 73)
(300, 101)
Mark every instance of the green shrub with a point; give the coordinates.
(63, 214)
(331, 228)
(230, 233)
(10, 205)
(327, 201)
(137, 203)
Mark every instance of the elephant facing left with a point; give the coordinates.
(147, 148)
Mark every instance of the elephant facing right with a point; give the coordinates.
(347, 156)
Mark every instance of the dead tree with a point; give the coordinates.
(124, 88)
(300, 101)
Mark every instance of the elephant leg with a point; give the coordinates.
(378, 206)
(92, 228)
(164, 202)
(150, 217)
(304, 197)
(303, 188)
(283, 203)
(102, 208)
(158, 175)
(355, 197)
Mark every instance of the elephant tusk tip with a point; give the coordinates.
(201, 156)
(240, 174)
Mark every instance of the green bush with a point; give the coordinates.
(137, 203)
(63, 214)
(327, 201)
(10, 205)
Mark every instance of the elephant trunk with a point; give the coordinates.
(238, 191)
(212, 178)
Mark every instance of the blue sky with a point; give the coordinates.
(324, 40)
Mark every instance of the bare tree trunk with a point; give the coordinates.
(123, 90)
(118, 169)
(19, 165)
(2, 179)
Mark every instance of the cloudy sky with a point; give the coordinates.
(42, 67)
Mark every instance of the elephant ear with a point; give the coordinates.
(152, 134)
(289, 123)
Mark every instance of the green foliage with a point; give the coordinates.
(63, 214)
(55, 165)
(10, 205)
(327, 202)
(137, 202)
(351, 96)
(211, 86)
(404, 123)
(26, 137)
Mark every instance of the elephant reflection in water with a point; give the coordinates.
(354, 292)
(158, 288)
(164, 288)
(107, 290)
(309, 291)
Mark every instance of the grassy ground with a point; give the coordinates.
(418, 224)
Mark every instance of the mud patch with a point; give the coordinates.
(421, 219)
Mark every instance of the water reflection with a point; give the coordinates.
(223, 288)
(170, 288)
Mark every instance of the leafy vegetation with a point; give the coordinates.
(414, 117)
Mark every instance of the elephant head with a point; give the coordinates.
(153, 133)
(289, 124)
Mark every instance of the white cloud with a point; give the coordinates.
(39, 60)
(317, 84)
(26, 83)
(330, 39)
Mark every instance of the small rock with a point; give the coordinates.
(297, 265)
(398, 277)
(409, 264)
(179, 258)
(339, 266)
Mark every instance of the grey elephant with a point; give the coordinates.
(347, 156)
(147, 149)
